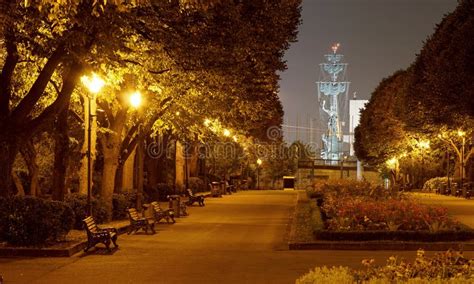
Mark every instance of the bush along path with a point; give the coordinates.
(31, 226)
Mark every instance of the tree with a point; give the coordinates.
(440, 95)
(441, 92)
(181, 52)
(381, 134)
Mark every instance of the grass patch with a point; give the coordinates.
(307, 220)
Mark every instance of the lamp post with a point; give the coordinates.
(259, 162)
(462, 135)
(94, 84)
(135, 100)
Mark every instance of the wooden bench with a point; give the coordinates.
(137, 222)
(160, 213)
(97, 235)
(194, 198)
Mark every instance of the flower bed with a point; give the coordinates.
(391, 215)
(448, 267)
(354, 210)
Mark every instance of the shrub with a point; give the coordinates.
(120, 204)
(34, 221)
(349, 188)
(447, 267)
(196, 184)
(435, 183)
(325, 275)
(122, 201)
(152, 193)
(159, 192)
(78, 203)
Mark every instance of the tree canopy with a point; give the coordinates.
(441, 92)
(204, 59)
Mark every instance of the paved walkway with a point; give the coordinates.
(462, 209)
(235, 239)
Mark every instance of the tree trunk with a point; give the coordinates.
(61, 155)
(111, 145)
(119, 178)
(193, 159)
(9, 149)
(28, 152)
(20, 190)
(108, 178)
(140, 171)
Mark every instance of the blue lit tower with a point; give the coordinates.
(331, 87)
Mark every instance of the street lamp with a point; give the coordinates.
(259, 162)
(135, 100)
(462, 135)
(94, 84)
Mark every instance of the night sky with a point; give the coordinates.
(377, 38)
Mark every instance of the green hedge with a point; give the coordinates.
(159, 192)
(196, 184)
(422, 236)
(30, 221)
(122, 201)
(78, 203)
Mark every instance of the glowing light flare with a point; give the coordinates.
(392, 163)
(235, 138)
(94, 83)
(335, 47)
(226, 132)
(424, 144)
(461, 133)
(178, 113)
(259, 162)
(136, 99)
(207, 122)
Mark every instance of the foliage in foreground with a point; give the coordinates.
(447, 267)
(27, 221)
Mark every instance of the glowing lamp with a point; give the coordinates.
(136, 99)
(94, 83)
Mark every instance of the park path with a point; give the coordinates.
(239, 238)
(460, 208)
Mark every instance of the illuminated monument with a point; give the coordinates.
(332, 90)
